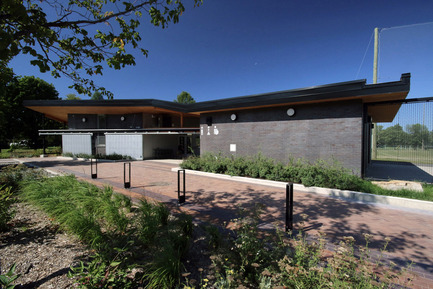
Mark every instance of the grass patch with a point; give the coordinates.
(318, 174)
(28, 153)
(417, 156)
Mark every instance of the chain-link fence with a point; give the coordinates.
(409, 138)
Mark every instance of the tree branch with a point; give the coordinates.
(60, 24)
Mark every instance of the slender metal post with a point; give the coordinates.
(43, 145)
(181, 198)
(95, 174)
(375, 70)
(126, 184)
(289, 207)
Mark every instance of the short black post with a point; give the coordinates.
(181, 198)
(289, 207)
(43, 146)
(126, 184)
(94, 175)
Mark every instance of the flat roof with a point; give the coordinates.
(357, 89)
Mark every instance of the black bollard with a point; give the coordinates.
(289, 207)
(126, 184)
(181, 198)
(94, 175)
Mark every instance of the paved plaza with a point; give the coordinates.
(218, 200)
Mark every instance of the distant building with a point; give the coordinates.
(322, 122)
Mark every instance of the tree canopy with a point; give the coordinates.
(73, 37)
(414, 135)
(184, 97)
(17, 122)
(97, 96)
(72, 96)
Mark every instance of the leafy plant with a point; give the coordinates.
(149, 237)
(276, 260)
(7, 279)
(6, 212)
(102, 274)
(319, 174)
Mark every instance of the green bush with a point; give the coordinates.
(318, 174)
(113, 156)
(249, 259)
(6, 212)
(13, 175)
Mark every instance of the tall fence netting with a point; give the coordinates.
(409, 138)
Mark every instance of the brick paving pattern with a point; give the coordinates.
(218, 201)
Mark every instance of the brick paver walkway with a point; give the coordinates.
(217, 201)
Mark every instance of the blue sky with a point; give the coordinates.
(229, 48)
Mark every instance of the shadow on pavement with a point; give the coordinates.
(384, 170)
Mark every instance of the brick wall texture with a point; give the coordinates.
(317, 131)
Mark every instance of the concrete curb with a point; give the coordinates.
(365, 198)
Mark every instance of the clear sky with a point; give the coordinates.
(229, 48)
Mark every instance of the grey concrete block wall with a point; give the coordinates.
(321, 131)
(77, 143)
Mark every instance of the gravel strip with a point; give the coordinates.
(42, 253)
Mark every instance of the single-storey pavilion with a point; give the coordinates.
(330, 122)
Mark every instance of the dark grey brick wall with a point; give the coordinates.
(321, 131)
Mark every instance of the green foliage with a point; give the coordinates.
(318, 174)
(12, 175)
(125, 239)
(7, 279)
(28, 153)
(99, 273)
(415, 135)
(185, 98)
(112, 156)
(97, 96)
(72, 96)
(276, 260)
(6, 212)
(82, 36)
(81, 208)
(22, 123)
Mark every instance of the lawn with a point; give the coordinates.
(25, 152)
(405, 155)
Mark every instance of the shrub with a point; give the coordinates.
(276, 260)
(319, 174)
(6, 212)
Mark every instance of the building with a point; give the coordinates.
(322, 122)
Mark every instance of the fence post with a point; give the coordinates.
(94, 175)
(181, 198)
(126, 184)
(289, 207)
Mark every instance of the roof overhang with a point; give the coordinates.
(351, 90)
(59, 109)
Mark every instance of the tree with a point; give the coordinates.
(393, 136)
(419, 135)
(76, 36)
(72, 96)
(184, 97)
(97, 96)
(22, 123)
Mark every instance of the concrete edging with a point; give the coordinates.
(359, 197)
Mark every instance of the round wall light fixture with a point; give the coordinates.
(122, 118)
(291, 112)
(84, 119)
(233, 117)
